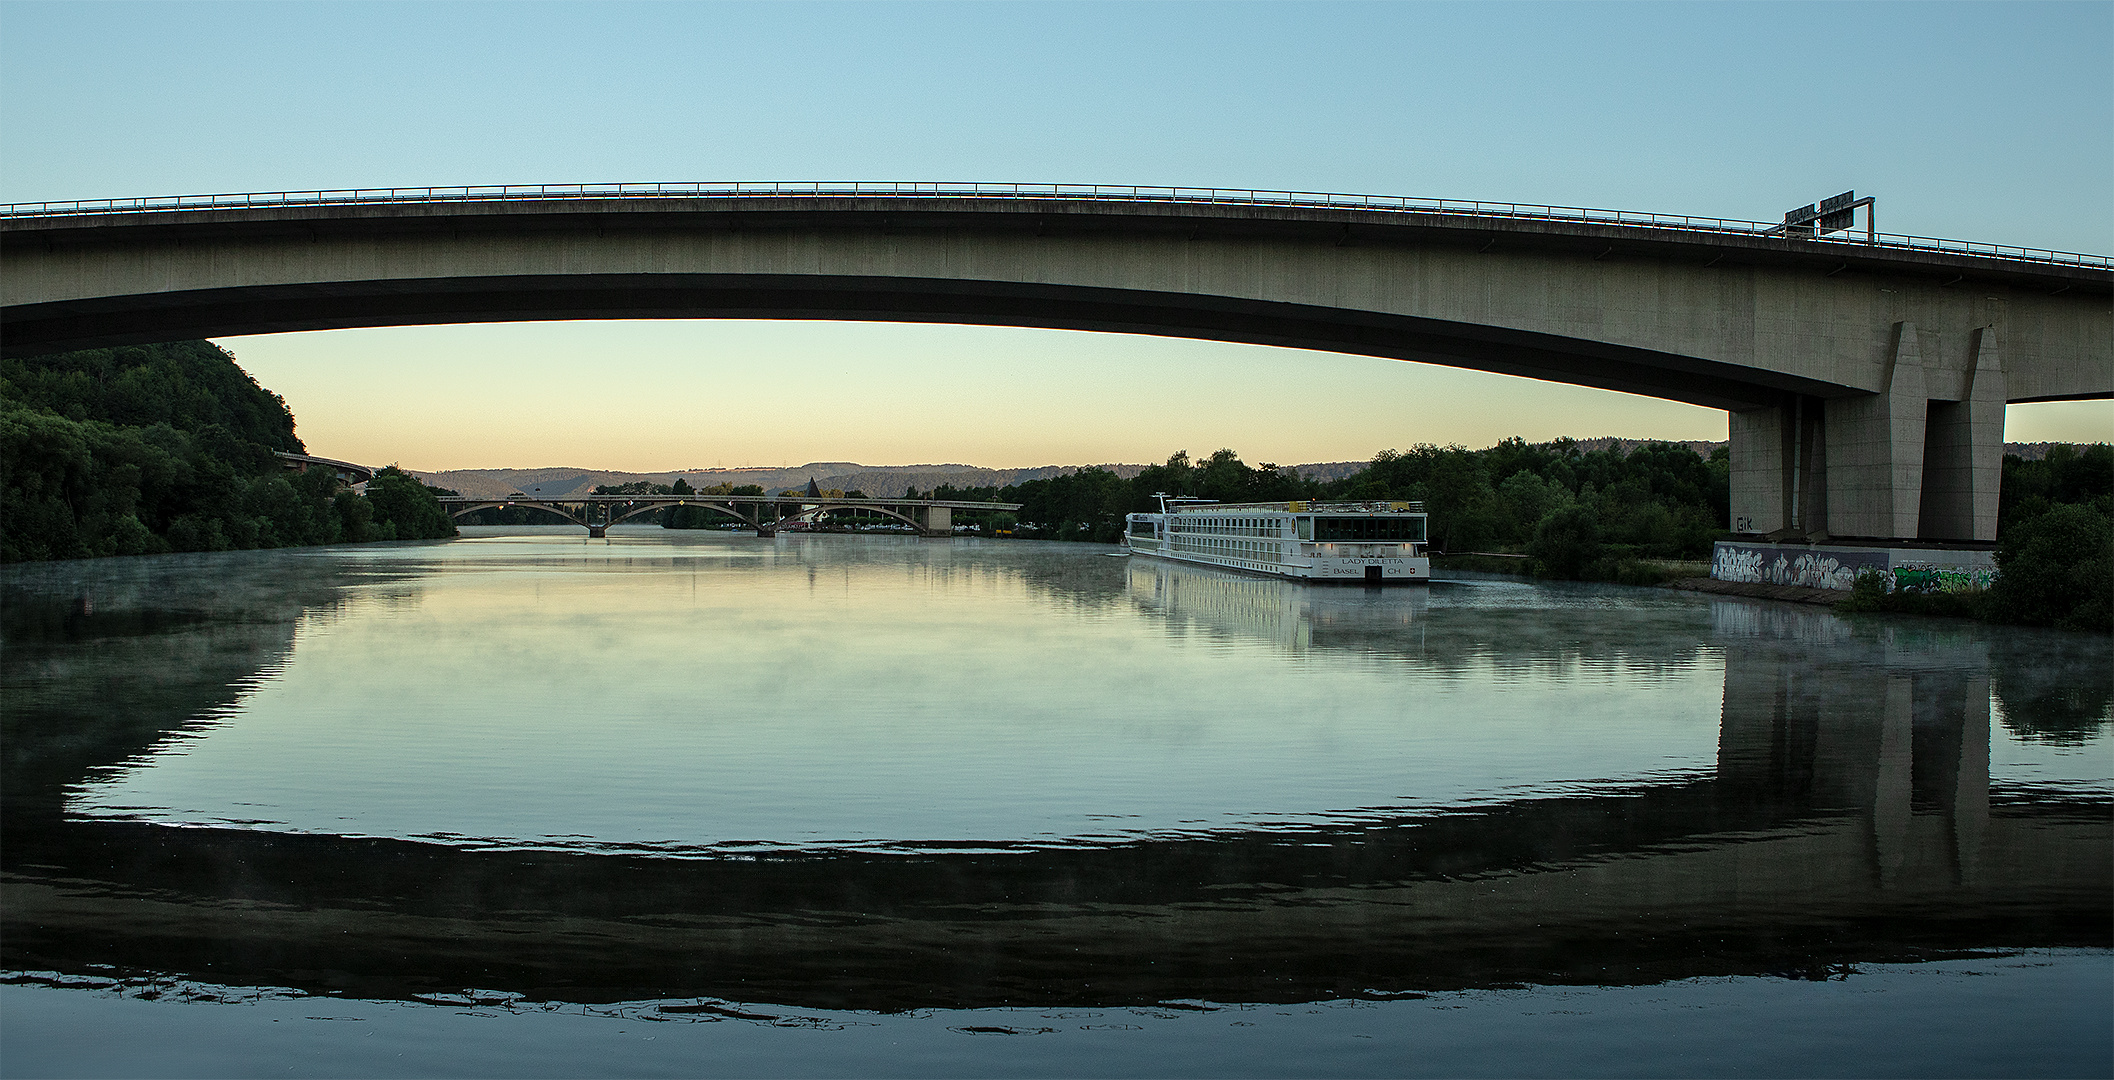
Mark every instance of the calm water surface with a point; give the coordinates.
(684, 803)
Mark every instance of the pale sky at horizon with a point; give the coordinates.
(1990, 122)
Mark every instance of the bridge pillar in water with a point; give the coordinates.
(767, 517)
(1919, 460)
(933, 520)
(597, 532)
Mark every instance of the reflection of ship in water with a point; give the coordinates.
(1850, 818)
(1284, 613)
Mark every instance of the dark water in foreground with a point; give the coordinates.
(692, 804)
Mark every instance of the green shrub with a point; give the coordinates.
(2057, 569)
(1871, 592)
(1567, 544)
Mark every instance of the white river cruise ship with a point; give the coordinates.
(1309, 541)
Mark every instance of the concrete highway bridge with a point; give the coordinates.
(765, 513)
(1866, 374)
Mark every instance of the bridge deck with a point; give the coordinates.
(910, 192)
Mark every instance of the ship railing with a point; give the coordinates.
(1302, 506)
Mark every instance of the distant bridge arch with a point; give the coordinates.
(1866, 381)
(766, 513)
(466, 508)
(652, 504)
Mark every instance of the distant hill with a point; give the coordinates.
(2035, 451)
(563, 483)
(892, 479)
(843, 475)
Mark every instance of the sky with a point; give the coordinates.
(1989, 122)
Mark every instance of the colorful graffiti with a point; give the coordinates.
(1933, 578)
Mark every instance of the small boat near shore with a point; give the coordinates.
(1367, 542)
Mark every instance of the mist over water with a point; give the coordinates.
(949, 794)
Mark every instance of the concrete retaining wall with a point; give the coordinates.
(1836, 566)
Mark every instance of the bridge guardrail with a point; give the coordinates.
(1066, 192)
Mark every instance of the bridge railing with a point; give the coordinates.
(763, 191)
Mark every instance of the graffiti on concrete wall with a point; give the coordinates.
(1772, 565)
(1933, 578)
(1839, 568)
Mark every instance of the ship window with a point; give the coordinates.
(1404, 529)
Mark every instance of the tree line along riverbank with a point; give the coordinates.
(1638, 516)
(157, 448)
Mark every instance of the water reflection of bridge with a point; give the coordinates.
(1849, 818)
(1815, 714)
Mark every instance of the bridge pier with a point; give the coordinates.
(768, 515)
(1920, 460)
(934, 520)
(597, 532)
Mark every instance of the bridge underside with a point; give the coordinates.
(1921, 460)
(103, 323)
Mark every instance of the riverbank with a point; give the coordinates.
(1797, 594)
(1611, 571)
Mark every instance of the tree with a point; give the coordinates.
(1567, 543)
(2057, 569)
(405, 509)
(188, 385)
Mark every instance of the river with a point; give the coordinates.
(690, 803)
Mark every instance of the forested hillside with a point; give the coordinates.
(169, 447)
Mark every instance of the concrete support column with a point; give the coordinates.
(1963, 462)
(934, 520)
(1759, 464)
(1779, 470)
(1876, 449)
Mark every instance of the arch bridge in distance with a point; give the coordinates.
(764, 513)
